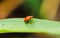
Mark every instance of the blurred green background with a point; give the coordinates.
(34, 7)
(43, 9)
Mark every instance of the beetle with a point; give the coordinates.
(27, 18)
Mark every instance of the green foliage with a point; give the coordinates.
(36, 25)
(34, 4)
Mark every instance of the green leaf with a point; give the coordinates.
(37, 25)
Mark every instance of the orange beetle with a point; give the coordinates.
(28, 18)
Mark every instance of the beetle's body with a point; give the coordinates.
(28, 18)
